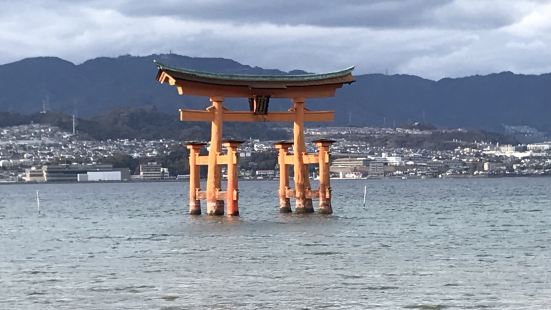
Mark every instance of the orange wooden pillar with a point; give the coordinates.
(300, 171)
(232, 189)
(215, 206)
(308, 205)
(283, 151)
(324, 186)
(194, 177)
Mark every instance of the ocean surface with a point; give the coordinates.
(416, 244)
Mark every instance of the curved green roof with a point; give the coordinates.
(260, 78)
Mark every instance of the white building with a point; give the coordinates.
(152, 171)
(96, 176)
(34, 175)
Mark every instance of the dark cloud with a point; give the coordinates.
(432, 38)
(310, 12)
(351, 13)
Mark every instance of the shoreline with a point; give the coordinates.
(401, 178)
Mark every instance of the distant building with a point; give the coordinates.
(454, 164)
(34, 175)
(394, 160)
(507, 148)
(265, 174)
(493, 167)
(69, 173)
(348, 165)
(152, 171)
(539, 147)
(376, 168)
(435, 167)
(103, 176)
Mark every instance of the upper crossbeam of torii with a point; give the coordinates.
(258, 89)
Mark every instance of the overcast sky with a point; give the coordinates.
(430, 38)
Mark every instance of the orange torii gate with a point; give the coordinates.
(258, 89)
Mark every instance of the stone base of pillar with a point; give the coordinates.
(307, 207)
(215, 207)
(325, 207)
(235, 210)
(285, 205)
(299, 205)
(303, 206)
(235, 213)
(195, 207)
(219, 209)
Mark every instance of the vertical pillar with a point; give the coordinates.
(284, 202)
(308, 205)
(214, 182)
(324, 187)
(194, 177)
(232, 190)
(301, 206)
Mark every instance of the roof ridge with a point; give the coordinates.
(267, 77)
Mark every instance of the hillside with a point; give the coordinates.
(143, 123)
(104, 84)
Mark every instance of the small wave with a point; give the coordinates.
(32, 293)
(169, 297)
(426, 306)
(351, 276)
(381, 288)
(131, 289)
(39, 272)
(153, 271)
(324, 253)
(314, 244)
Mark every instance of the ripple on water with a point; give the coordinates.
(324, 253)
(426, 306)
(351, 276)
(130, 289)
(381, 288)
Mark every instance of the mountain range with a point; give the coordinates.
(105, 84)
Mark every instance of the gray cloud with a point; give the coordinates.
(431, 38)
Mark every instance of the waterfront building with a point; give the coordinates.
(122, 174)
(152, 171)
(376, 168)
(265, 174)
(34, 175)
(69, 173)
(348, 165)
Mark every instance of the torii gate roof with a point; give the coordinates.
(199, 83)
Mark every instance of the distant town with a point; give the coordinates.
(44, 153)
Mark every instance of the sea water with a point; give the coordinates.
(417, 244)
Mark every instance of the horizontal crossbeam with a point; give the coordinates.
(220, 195)
(203, 160)
(307, 159)
(247, 116)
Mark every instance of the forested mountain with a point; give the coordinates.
(101, 85)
